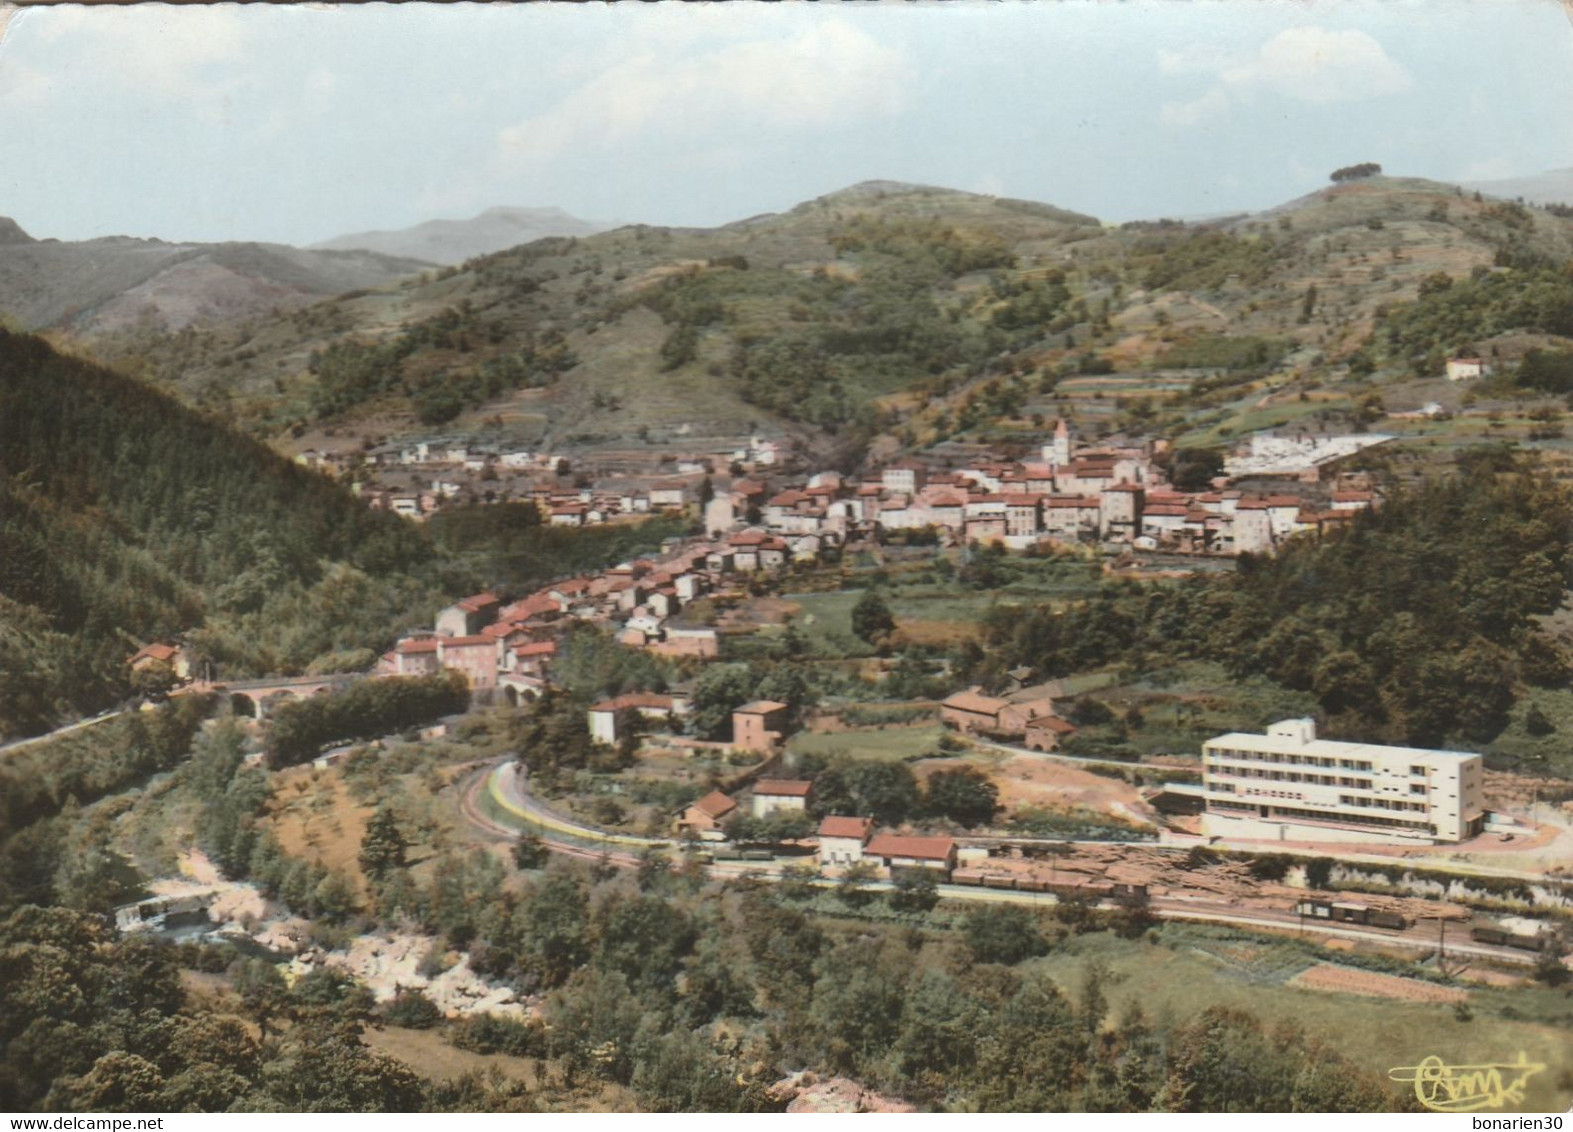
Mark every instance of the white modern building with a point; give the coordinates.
(1289, 785)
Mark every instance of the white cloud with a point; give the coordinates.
(830, 74)
(168, 50)
(1306, 64)
(1213, 104)
(1312, 64)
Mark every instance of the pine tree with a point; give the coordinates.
(383, 846)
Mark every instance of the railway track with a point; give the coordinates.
(569, 839)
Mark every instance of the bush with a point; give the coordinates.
(1006, 934)
(412, 1009)
(487, 1033)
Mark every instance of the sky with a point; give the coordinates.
(296, 124)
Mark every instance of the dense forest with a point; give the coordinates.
(127, 518)
(690, 999)
(1420, 624)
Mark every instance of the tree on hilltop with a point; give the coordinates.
(1355, 172)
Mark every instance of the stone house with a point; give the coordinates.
(759, 726)
(708, 813)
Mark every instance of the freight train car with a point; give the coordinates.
(1523, 941)
(1351, 912)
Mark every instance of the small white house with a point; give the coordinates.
(1466, 369)
(773, 794)
(841, 840)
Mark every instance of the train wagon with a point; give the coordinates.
(1352, 912)
(999, 882)
(1500, 937)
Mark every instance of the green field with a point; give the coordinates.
(1194, 967)
(890, 744)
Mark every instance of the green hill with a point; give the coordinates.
(119, 283)
(906, 311)
(126, 517)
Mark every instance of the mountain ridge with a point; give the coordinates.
(114, 283)
(880, 310)
(446, 241)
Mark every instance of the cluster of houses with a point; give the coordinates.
(1115, 493)
(759, 726)
(508, 648)
(1111, 494)
(1031, 722)
(394, 477)
(844, 842)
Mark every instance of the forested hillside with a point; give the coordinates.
(898, 311)
(1422, 624)
(125, 517)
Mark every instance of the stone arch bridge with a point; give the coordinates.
(257, 699)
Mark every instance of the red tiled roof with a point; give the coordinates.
(918, 848)
(759, 707)
(530, 607)
(467, 642)
(784, 787)
(859, 828)
(410, 647)
(155, 652)
(976, 702)
(1053, 723)
(479, 602)
(715, 805)
(635, 700)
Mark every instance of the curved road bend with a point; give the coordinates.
(508, 789)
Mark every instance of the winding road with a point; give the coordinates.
(502, 788)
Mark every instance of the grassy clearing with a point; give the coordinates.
(1186, 972)
(890, 744)
(826, 622)
(428, 1053)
